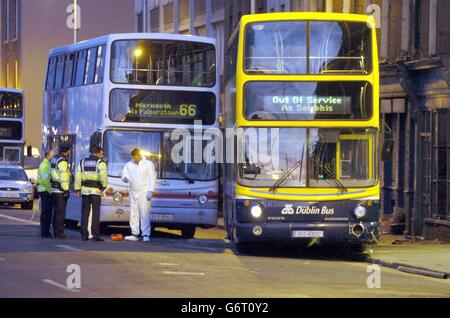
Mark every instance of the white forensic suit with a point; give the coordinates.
(142, 180)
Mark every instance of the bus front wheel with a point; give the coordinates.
(188, 231)
(245, 247)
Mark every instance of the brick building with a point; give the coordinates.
(30, 28)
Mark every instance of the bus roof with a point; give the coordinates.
(129, 36)
(323, 16)
(10, 90)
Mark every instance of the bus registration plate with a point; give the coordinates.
(307, 234)
(161, 217)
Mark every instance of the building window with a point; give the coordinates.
(217, 4)
(140, 18)
(10, 20)
(441, 182)
(154, 20)
(168, 13)
(200, 6)
(184, 9)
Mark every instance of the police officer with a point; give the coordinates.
(44, 187)
(90, 181)
(60, 176)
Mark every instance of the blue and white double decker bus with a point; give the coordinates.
(12, 125)
(126, 91)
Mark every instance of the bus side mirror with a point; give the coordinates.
(388, 149)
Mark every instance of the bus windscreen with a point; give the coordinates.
(162, 107)
(11, 105)
(163, 62)
(302, 47)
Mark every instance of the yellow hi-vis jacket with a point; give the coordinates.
(92, 176)
(60, 175)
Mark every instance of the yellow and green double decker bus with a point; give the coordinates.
(302, 94)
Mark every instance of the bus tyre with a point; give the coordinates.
(28, 206)
(356, 248)
(244, 247)
(188, 231)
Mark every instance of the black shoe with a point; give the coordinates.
(98, 239)
(60, 237)
(85, 238)
(47, 236)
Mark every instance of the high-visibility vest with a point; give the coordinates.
(92, 176)
(60, 174)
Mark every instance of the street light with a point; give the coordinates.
(75, 24)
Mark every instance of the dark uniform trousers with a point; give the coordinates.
(46, 212)
(59, 210)
(89, 201)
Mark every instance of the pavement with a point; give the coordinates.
(206, 266)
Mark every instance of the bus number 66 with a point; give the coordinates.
(188, 110)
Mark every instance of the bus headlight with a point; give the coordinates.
(360, 212)
(203, 199)
(256, 211)
(118, 197)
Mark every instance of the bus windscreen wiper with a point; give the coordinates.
(288, 172)
(338, 183)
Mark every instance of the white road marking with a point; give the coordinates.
(11, 218)
(183, 273)
(50, 282)
(68, 248)
(168, 264)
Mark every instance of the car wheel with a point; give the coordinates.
(188, 231)
(28, 206)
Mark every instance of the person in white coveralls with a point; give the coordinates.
(140, 173)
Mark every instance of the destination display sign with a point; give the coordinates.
(166, 107)
(10, 130)
(308, 100)
(309, 104)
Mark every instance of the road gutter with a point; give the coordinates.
(405, 268)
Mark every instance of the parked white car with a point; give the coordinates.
(15, 187)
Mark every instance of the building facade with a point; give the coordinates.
(196, 17)
(414, 49)
(30, 28)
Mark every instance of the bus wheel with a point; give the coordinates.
(245, 247)
(356, 248)
(188, 231)
(71, 224)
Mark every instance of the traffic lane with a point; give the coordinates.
(180, 268)
(169, 273)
